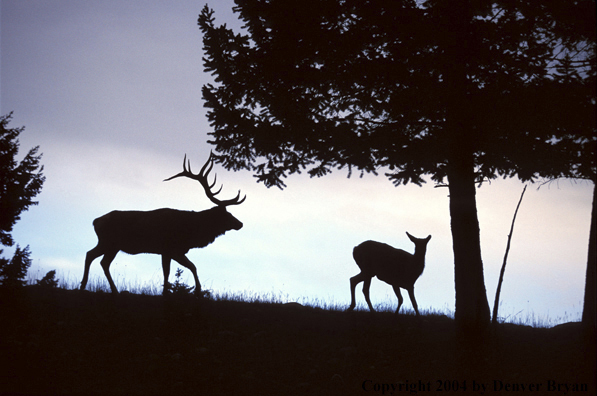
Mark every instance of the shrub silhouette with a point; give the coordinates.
(179, 287)
(13, 272)
(48, 281)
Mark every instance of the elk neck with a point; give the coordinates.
(419, 256)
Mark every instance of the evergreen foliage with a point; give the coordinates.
(394, 85)
(49, 280)
(20, 182)
(179, 287)
(13, 272)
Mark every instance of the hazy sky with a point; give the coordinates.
(111, 91)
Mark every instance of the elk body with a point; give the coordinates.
(168, 232)
(396, 267)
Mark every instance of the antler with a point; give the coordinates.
(201, 177)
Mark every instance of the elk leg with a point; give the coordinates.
(91, 255)
(106, 261)
(366, 286)
(185, 262)
(354, 281)
(166, 269)
(400, 299)
(411, 294)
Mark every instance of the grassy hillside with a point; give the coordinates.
(70, 342)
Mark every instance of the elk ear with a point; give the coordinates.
(428, 238)
(412, 238)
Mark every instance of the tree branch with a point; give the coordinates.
(499, 287)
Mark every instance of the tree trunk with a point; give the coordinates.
(472, 308)
(588, 314)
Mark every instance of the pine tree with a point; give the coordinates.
(20, 182)
(458, 92)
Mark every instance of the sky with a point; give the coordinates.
(111, 92)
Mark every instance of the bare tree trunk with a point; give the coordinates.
(588, 314)
(472, 309)
(499, 286)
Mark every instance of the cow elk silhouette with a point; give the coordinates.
(168, 232)
(394, 266)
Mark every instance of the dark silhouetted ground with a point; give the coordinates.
(71, 342)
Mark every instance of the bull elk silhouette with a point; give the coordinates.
(168, 232)
(394, 266)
